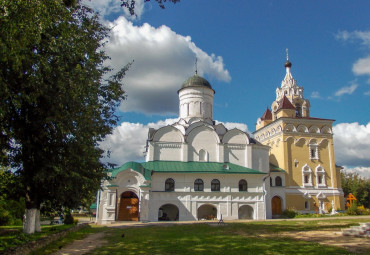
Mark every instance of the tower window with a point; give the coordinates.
(298, 110)
(278, 181)
(314, 151)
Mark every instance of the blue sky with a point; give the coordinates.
(240, 46)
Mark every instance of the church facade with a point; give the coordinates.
(196, 169)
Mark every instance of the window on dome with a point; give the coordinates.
(198, 185)
(215, 185)
(243, 185)
(169, 185)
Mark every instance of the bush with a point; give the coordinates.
(290, 213)
(353, 210)
(68, 218)
(5, 217)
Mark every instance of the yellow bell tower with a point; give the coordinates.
(303, 174)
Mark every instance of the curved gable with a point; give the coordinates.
(204, 133)
(168, 134)
(236, 136)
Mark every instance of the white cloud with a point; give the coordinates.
(362, 66)
(346, 90)
(231, 125)
(362, 171)
(128, 140)
(363, 36)
(113, 7)
(163, 60)
(315, 94)
(104, 7)
(367, 93)
(352, 144)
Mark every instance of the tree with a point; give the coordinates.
(56, 100)
(130, 4)
(358, 186)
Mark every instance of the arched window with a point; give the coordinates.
(243, 185)
(215, 185)
(203, 155)
(198, 185)
(169, 185)
(278, 181)
(298, 110)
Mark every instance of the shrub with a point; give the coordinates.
(353, 210)
(290, 213)
(5, 217)
(68, 218)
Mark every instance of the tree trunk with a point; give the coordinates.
(37, 221)
(29, 224)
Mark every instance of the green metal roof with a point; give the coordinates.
(274, 168)
(147, 168)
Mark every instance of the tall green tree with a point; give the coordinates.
(56, 102)
(358, 186)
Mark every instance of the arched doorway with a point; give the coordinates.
(276, 206)
(207, 212)
(129, 207)
(245, 212)
(168, 212)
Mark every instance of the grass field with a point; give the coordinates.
(262, 237)
(234, 238)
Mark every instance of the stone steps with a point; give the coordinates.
(362, 231)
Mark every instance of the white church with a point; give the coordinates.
(197, 170)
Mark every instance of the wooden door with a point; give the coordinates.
(129, 207)
(276, 206)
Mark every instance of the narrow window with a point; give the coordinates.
(198, 185)
(278, 181)
(306, 205)
(306, 179)
(270, 182)
(320, 179)
(243, 185)
(169, 185)
(215, 185)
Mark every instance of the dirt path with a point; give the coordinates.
(83, 246)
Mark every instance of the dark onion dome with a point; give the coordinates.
(196, 81)
(288, 64)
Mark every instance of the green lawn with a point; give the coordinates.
(262, 237)
(234, 238)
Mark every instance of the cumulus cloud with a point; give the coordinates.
(163, 60)
(352, 144)
(346, 90)
(362, 66)
(128, 140)
(362, 171)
